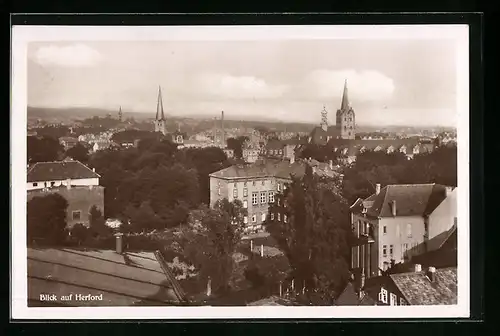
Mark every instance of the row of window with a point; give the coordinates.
(384, 250)
(275, 152)
(263, 217)
(393, 299)
(408, 230)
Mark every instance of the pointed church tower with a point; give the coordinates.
(120, 115)
(160, 116)
(346, 118)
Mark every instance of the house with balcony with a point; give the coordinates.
(399, 222)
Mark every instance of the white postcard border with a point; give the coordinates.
(22, 35)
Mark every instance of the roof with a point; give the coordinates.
(272, 301)
(332, 131)
(269, 168)
(411, 200)
(275, 144)
(419, 290)
(60, 170)
(122, 279)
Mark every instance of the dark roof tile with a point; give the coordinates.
(419, 290)
(59, 170)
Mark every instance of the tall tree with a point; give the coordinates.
(211, 239)
(310, 222)
(46, 222)
(78, 152)
(43, 149)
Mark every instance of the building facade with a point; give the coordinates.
(397, 223)
(77, 183)
(256, 185)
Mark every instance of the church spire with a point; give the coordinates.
(120, 115)
(159, 106)
(345, 99)
(324, 119)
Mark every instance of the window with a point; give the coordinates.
(279, 186)
(245, 184)
(393, 299)
(391, 249)
(253, 183)
(263, 197)
(385, 229)
(384, 251)
(35, 184)
(279, 216)
(382, 296)
(254, 218)
(263, 217)
(284, 218)
(245, 220)
(52, 184)
(218, 191)
(279, 201)
(45, 184)
(255, 199)
(281, 151)
(264, 182)
(235, 192)
(245, 192)
(271, 197)
(408, 230)
(272, 215)
(402, 302)
(76, 215)
(245, 204)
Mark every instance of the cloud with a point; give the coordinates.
(75, 55)
(238, 87)
(363, 85)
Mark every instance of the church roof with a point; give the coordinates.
(344, 106)
(159, 106)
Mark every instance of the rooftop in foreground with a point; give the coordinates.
(128, 279)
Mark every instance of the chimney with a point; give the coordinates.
(377, 189)
(262, 250)
(68, 183)
(222, 129)
(119, 243)
(93, 169)
(251, 245)
(418, 268)
(393, 202)
(431, 274)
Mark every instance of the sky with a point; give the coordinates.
(390, 82)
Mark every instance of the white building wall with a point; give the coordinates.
(58, 183)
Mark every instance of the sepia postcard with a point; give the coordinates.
(194, 172)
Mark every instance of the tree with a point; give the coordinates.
(322, 153)
(78, 152)
(142, 218)
(46, 222)
(211, 239)
(79, 232)
(236, 146)
(314, 233)
(43, 149)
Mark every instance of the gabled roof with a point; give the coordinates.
(419, 290)
(411, 200)
(60, 170)
(122, 279)
(331, 131)
(270, 168)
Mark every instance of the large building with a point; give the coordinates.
(256, 185)
(342, 136)
(399, 222)
(77, 183)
